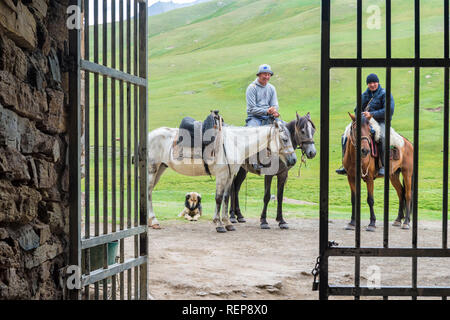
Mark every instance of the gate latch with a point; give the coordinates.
(315, 272)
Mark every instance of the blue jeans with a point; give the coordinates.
(253, 121)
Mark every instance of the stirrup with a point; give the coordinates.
(341, 171)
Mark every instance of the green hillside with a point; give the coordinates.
(203, 57)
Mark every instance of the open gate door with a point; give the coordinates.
(327, 248)
(108, 150)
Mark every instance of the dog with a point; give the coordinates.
(193, 206)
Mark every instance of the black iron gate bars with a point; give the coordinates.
(327, 63)
(132, 120)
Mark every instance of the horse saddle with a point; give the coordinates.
(191, 140)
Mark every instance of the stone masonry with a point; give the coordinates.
(34, 208)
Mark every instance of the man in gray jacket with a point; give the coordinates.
(262, 102)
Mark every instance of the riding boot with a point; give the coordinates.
(341, 170)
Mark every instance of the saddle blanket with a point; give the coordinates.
(396, 139)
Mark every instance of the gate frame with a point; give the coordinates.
(77, 64)
(326, 248)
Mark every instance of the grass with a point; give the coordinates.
(204, 57)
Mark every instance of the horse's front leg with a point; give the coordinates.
(281, 182)
(371, 227)
(226, 197)
(267, 184)
(216, 219)
(351, 182)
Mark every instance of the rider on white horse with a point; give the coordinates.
(262, 102)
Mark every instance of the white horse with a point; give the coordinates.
(235, 145)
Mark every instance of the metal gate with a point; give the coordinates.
(112, 190)
(326, 248)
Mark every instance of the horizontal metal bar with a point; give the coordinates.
(113, 269)
(388, 252)
(102, 239)
(393, 63)
(113, 73)
(389, 291)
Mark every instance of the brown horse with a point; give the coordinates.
(369, 173)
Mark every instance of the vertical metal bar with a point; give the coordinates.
(358, 151)
(129, 191)
(324, 146)
(388, 102)
(446, 130)
(113, 133)
(87, 148)
(96, 139)
(122, 137)
(74, 151)
(415, 180)
(143, 165)
(135, 145)
(105, 143)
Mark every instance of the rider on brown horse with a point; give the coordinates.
(373, 102)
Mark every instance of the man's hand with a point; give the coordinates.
(271, 110)
(367, 114)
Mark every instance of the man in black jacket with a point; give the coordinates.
(373, 102)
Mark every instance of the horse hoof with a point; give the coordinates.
(221, 230)
(397, 223)
(233, 220)
(230, 228)
(350, 227)
(156, 226)
(371, 228)
(283, 226)
(265, 226)
(242, 220)
(405, 226)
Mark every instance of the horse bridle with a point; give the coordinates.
(353, 141)
(283, 149)
(303, 141)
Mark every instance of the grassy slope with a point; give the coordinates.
(204, 57)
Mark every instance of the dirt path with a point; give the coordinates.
(193, 261)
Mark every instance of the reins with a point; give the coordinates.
(369, 140)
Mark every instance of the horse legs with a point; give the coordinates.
(225, 219)
(395, 180)
(267, 184)
(155, 173)
(371, 227)
(223, 186)
(407, 181)
(234, 196)
(351, 224)
(281, 182)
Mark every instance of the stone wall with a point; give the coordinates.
(34, 207)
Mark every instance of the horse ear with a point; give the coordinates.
(352, 116)
(276, 124)
(298, 117)
(199, 197)
(308, 116)
(188, 195)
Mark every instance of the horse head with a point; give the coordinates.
(282, 143)
(365, 134)
(304, 135)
